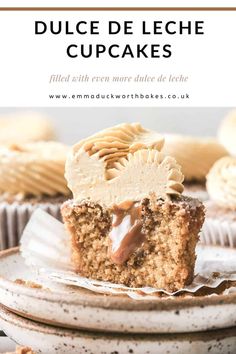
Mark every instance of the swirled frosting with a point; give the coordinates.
(195, 155)
(221, 182)
(33, 169)
(227, 132)
(122, 163)
(25, 127)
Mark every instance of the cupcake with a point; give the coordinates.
(128, 221)
(24, 128)
(220, 225)
(196, 156)
(227, 132)
(31, 176)
(22, 350)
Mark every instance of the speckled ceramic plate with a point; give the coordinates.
(51, 340)
(61, 305)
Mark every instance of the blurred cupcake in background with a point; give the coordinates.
(21, 350)
(220, 225)
(196, 156)
(31, 176)
(227, 132)
(25, 127)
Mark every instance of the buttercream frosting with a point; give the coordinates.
(221, 182)
(227, 132)
(24, 127)
(33, 169)
(122, 163)
(195, 155)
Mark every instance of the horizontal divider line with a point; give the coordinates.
(117, 8)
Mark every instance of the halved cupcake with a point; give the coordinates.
(128, 221)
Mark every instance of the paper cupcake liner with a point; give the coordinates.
(45, 246)
(201, 195)
(219, 232)
(14, 217)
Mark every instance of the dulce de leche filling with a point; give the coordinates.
(126, 234)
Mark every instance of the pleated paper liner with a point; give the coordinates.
(219, 232)
(199, 194)
(14, 217)
(45, 246)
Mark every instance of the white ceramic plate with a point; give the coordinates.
(51, 340)
(61, 305)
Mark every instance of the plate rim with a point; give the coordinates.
(113, 302)
(25, 323)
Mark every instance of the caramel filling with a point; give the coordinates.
(126, 234)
